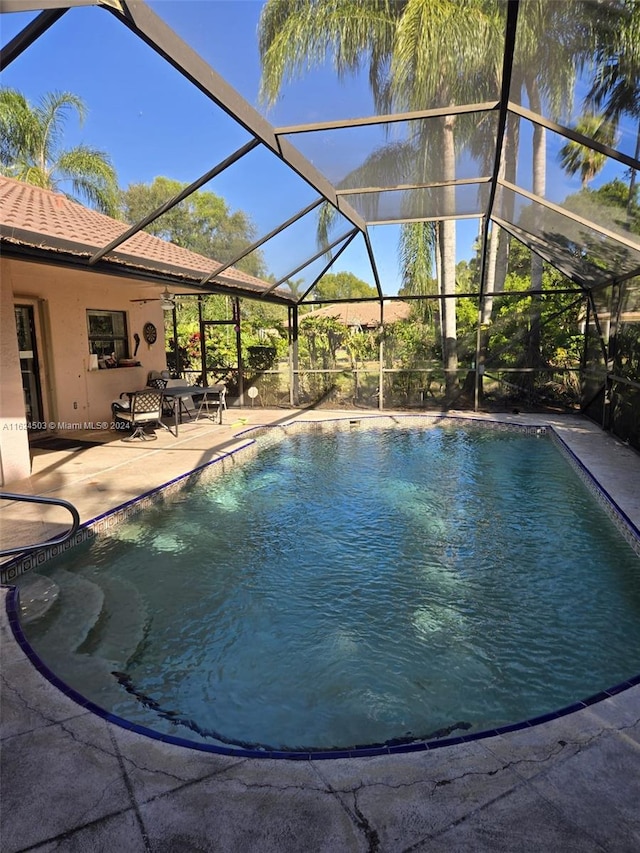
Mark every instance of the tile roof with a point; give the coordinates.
(365, 314)
(47, 220)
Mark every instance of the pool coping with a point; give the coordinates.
(245, 443)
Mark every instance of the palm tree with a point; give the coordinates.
(296, 286)
(412, 50)
(30, 149)
(554, 41)
(425, 69)
(417, 251)
(575, 157)
(616, 83)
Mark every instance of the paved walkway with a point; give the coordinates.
(73, 782)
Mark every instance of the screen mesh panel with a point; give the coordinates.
(404, 152)
(421, 204)
(594, 256)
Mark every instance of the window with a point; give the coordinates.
(108, 333)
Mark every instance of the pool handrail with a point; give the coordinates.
(39, 499)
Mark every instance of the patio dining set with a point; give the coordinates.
(136, 411)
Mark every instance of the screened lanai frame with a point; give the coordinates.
(425, 197)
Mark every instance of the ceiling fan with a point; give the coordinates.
(167, 299)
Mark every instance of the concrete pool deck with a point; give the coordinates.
(72, 781)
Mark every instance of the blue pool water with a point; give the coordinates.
(352, 588)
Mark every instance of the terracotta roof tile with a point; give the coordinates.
(29, 215)
(365, 314)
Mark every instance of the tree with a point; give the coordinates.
(418, 246)
(412, 49)
(609, 203)
(616, 83)
(560, 338)
(554, 41)
(296, 286)
(342, 285)
(202, 222)
(544, 72)
(30, 149)
(615, 194)
(575, 157)
(323, 337)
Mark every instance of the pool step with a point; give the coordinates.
(38, 594)
(123, 622)
(80, 603)
(91, 677)
(96, 626)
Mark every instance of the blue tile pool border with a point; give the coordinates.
(395, 748)
(101, 524)
(620, 518)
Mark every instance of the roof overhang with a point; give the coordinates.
(141, 20)
(23, 245)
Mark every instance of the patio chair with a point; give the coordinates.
(183, 400)
(157, 374)
(146, 409)
(122, 404)
(213, 398)
(160, 382)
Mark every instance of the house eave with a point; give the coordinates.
(17, 244)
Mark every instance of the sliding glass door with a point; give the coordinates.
(29, 367)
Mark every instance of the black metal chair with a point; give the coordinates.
(168, 403)
(146, 409)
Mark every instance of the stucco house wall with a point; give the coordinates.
(14, 445)
(39, 223)
(72, 395)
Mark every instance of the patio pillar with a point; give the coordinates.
(479, 360)
(611, 344)
(15, 460)
(176, 348)
(294, 379)
(203, 344)
(381, 359)
(236, 317)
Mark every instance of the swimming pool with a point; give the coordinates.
(440, 581)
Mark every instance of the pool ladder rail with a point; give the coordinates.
(38, 499)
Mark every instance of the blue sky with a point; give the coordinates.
(153, 122)
(142, 113)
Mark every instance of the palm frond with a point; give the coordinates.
(30, 148)
(297, 35)
(19, 128)
(416, 256)
(33, 174)
(51, 114)
(91, 175)
(575, 157)
(431, 36)
(327, 219)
